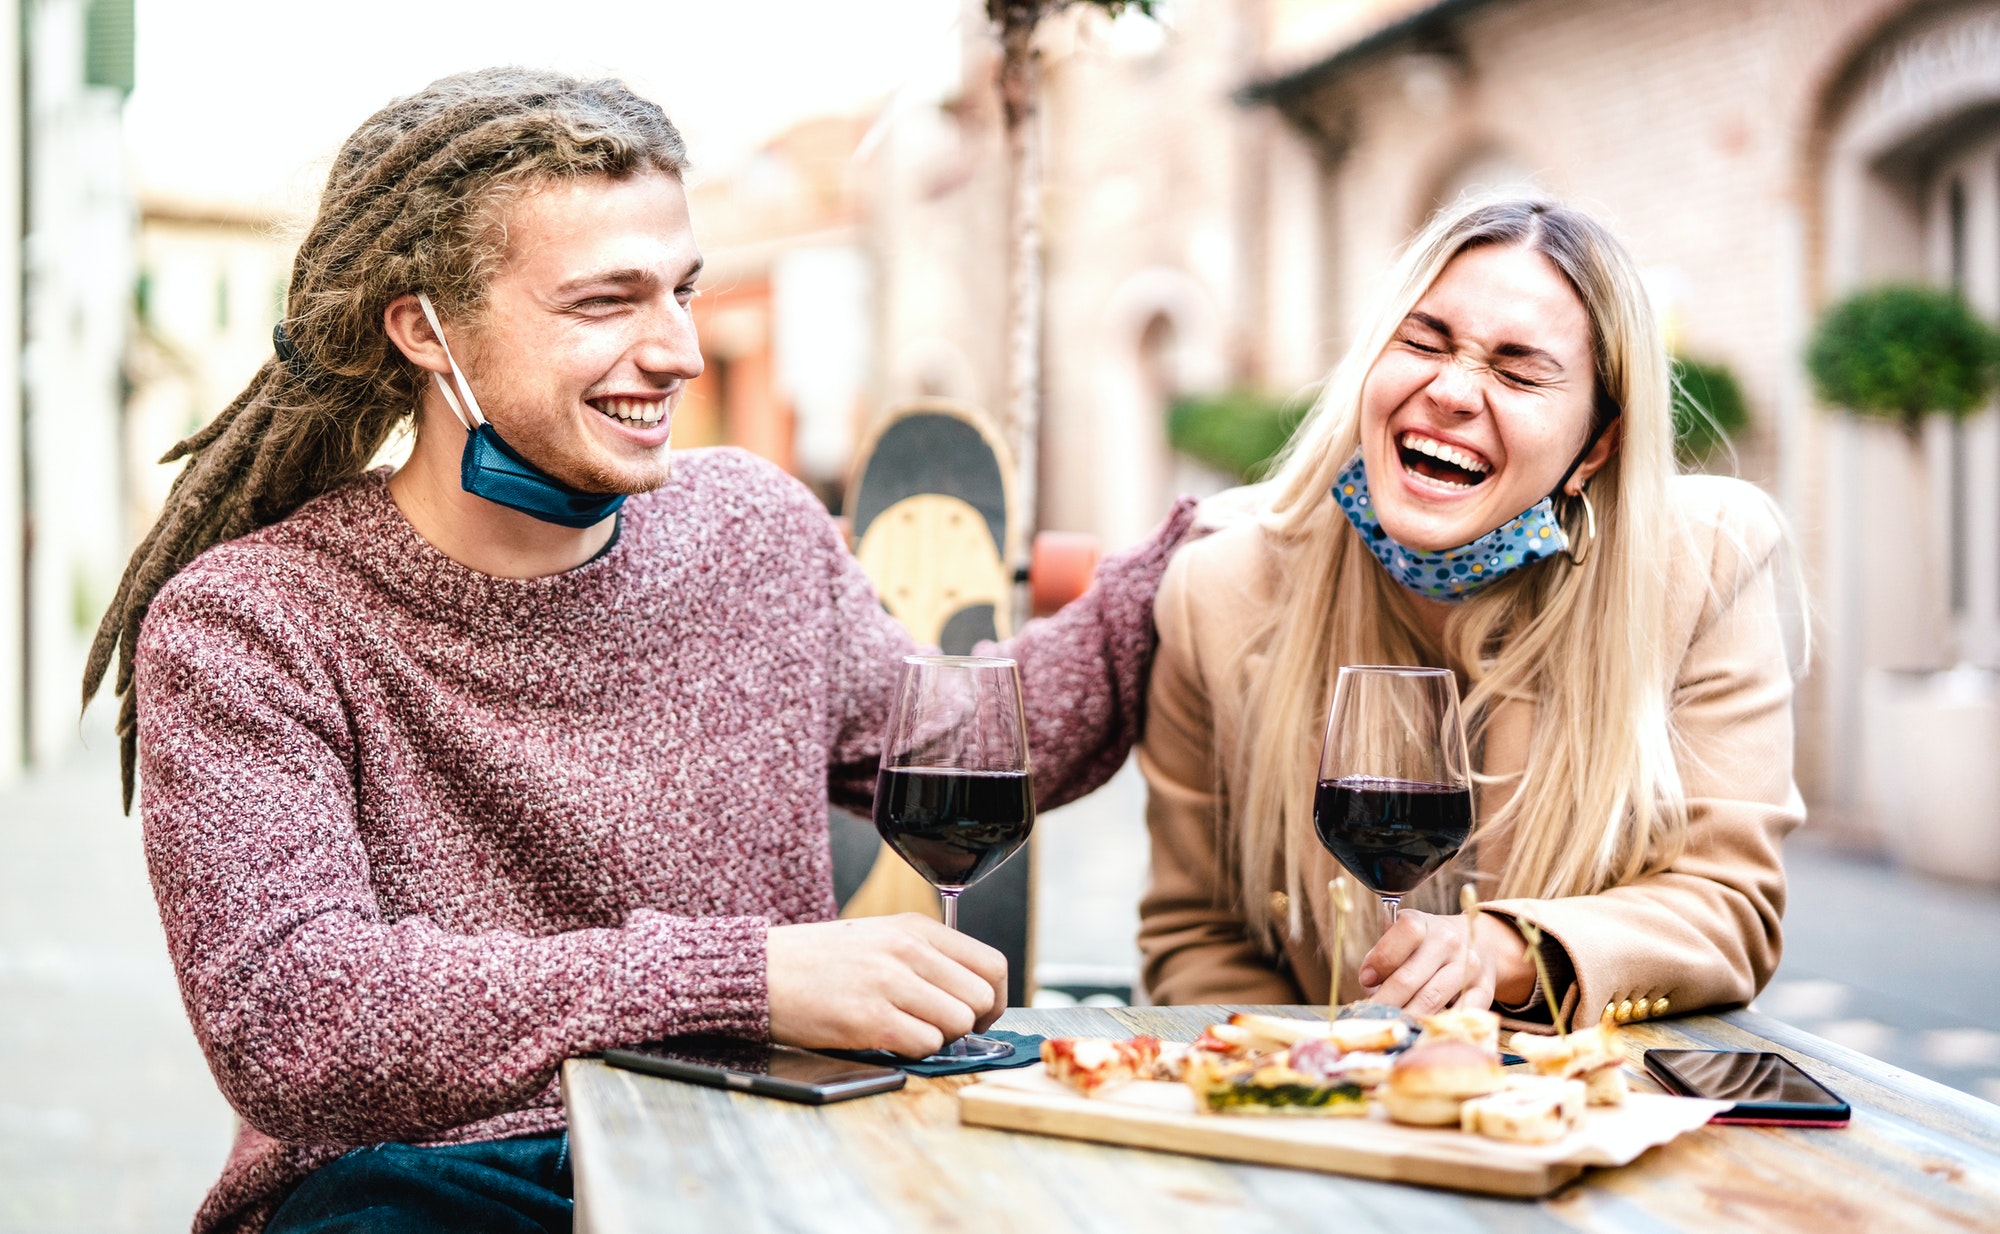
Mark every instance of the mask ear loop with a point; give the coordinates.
(476, 420)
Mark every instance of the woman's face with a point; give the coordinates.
(1480, 402)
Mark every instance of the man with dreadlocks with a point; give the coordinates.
(455, 773)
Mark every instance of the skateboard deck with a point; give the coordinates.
(931, 505)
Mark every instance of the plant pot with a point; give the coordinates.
(1931, 780)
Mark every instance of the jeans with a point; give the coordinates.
(518, 1186)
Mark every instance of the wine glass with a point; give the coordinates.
(954, 797)
(1395, 788)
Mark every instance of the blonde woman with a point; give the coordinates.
(1487, 484)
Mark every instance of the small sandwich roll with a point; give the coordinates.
(1605, 1086)
(1429, 1082)
(1591, 1055)
(1276, 1032)
(1530, 1110)
(1474, 1027)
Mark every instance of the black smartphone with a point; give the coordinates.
(781, 1071)
(1768, 1089)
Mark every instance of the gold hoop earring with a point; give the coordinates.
(1590, 529)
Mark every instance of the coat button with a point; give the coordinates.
(1610, 1012)
(1659, 1006)
(1624, 1013)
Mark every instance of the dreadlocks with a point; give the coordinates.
(413, 203)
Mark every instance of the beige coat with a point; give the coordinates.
(1703, 933)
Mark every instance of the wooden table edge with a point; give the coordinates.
(587, 1204)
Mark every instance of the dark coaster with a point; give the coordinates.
(1027, 1049)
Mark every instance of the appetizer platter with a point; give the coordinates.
(1371, 1093)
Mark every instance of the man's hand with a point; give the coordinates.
(1426, 961)
(903, 984)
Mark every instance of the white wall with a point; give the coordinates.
(78, 256)
(186, 365)
(821, 340)
(11, 530)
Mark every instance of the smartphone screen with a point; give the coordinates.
(757, 1067)
(1766, 1087)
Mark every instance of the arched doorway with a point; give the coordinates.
(1162, 340)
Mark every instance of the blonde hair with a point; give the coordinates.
(1599, 802)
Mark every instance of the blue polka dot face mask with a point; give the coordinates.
(1455, 573)
(491, 468)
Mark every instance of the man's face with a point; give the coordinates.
(586, 341)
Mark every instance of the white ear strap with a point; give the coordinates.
(476, 419)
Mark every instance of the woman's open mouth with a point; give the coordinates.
(1434, 460)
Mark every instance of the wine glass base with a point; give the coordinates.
(973, 1049)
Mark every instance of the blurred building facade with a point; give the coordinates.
(883, 237)
(783, 313)
(1150, 181)
(211, 284)
(1226, 189)
(65, 293)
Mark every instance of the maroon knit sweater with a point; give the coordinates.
(419, 834)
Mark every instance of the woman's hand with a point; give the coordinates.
(903, 984)
(1426, 961)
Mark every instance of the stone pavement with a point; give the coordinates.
(109, 1122)
(1898, 966)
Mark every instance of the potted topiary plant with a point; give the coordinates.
(1904, 353)
(1930, 737)
(1237, 432)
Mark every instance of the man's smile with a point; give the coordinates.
(638, 410)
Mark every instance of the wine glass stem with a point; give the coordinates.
(1389, 906)
(950, 908)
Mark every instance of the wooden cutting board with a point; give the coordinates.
(1163, 1117)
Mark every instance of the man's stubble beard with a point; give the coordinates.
(563, 459)
(586, 474)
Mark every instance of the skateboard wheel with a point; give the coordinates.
(1060, 568)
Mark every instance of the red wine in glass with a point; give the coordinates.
(954, 796)
(1392, 834)
(1394, 801)
(953, 827)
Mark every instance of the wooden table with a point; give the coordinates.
(654, 1155)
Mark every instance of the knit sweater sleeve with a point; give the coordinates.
(1083, 672)
(322, 1021)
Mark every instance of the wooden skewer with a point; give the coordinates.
(1343, 907)
(1532, 934)
(1468, 908)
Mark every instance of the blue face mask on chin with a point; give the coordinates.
(492, 469)
(1456, 573)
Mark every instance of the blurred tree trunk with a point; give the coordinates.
(1016, 21)
(1020, 99)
